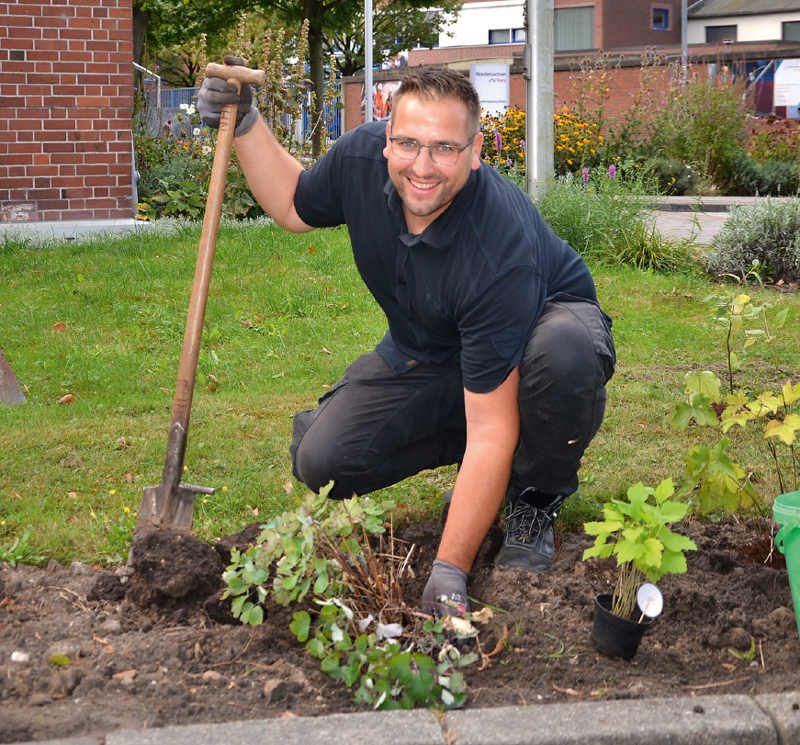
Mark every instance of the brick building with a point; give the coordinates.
(493, 30)
(66, 99)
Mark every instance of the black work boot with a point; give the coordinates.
(529, 540)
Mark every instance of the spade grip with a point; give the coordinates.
(235, 72)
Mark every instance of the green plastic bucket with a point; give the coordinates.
(786, 512)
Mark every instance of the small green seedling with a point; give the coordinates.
(745, 656)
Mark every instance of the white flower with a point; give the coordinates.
(196, 131)
(184, 106)
(206, 149)
(190, 110)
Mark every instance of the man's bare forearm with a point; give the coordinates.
(272, 175)
(492, 435)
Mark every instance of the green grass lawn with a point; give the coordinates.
(103, 320)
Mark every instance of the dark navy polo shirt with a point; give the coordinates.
(473, 283)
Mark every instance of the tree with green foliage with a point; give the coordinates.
(171, 29)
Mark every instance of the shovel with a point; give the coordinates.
(170, 505)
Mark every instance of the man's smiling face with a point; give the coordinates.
(427, 188)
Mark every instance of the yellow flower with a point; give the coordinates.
(126, 510)
(113, 492)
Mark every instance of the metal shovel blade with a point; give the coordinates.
(152, 515)
(10, 392)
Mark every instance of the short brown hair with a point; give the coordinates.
(440, 83)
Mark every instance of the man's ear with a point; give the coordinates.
(388, 143)
(477, 145)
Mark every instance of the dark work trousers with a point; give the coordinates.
(373, 428)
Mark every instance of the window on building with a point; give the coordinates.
(500, 36)
(573, 28)
(661, 18)
(791, 31)
(507, 36)
(720, 33)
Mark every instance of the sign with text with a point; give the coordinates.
(787, 89)
(491, 81)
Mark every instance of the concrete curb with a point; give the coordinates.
(711, 720)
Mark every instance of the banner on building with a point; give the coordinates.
(787, 89)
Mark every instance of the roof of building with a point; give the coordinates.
(713, 8)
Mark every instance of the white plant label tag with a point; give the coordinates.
(650, 600)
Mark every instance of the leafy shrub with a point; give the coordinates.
(174, 169)
(771, 178)
(767, 232)
(604, 215)
(699, 121)
(336, 554)
(674, 176)
(703, 124)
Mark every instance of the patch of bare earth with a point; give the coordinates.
(163, 649)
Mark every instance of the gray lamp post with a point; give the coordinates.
(539, 86)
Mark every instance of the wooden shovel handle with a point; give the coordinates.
(187, 369)
(235, 72)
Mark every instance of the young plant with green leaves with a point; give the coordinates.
(21, 551)
(743, 322)
(718, 483)
(781, 415)
(636, 532)
(338, 556)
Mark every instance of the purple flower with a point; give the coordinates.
(522, 146)
(585, 174)
(498, 142)
(612, 171)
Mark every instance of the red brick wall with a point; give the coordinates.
(629, 23)
(66, 100)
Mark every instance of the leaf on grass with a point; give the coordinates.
(59, 327)
(68, 399)
(62, 660)
(324, 349)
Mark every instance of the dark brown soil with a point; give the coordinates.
(158, 650)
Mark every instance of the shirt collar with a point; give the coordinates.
(442, 231)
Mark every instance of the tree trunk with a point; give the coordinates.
(316, 63)
(140, 21)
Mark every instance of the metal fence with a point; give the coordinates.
(163, 106)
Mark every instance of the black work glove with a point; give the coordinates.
(446, 591)
(216, 92)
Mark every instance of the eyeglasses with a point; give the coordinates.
(443, 155)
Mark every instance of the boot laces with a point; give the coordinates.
(525, 523)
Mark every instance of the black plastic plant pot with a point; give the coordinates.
(614, 636)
